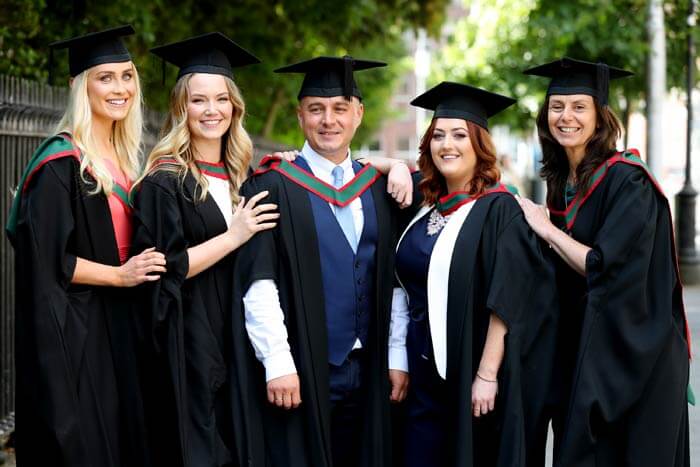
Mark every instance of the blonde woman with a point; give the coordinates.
(187, 205)
(77, 398)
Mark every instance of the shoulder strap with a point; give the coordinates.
(343, 196)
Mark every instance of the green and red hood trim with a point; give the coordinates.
(338, 196)
(630, 157)
(448, 204)
(216, 170)
(55, 147)
(213, 169)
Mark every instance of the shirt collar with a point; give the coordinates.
(320, 163)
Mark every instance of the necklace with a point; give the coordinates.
(436, 222)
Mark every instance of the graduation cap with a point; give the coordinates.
(94, 49)
(571, 76)
(330, 76)
(456, 100)
(212, 53)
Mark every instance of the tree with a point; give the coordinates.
(501, 38)
(278, 32)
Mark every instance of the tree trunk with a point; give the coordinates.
(272, 113)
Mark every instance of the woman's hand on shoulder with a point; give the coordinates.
(250, 218)
(147, 266)
(289, 156)
(537, 217)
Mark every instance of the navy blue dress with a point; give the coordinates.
(426, 407)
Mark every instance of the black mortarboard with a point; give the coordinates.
(571, 76)
(330, 76)
(95, 48)
(456, 100)
(211, 53)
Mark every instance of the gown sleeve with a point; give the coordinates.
(516, 253)
(257, 259)
(158, 223)
(49, 333)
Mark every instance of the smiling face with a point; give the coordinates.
(111, 88)
(209, 107)
(452, 152)
(572, 121)
(329, 124)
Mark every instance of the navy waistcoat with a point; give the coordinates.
(348, 277)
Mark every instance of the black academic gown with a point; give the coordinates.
(77, 397)
(289, 255)
(188, 355)
(497, 266)
(623, 356)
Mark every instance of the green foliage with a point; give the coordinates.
(278, 32)
(501, 38)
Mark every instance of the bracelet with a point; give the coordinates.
(484, 379)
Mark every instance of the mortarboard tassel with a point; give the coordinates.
(347, 80)
(162, 71)
(603, 82)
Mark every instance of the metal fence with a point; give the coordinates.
(29, 112)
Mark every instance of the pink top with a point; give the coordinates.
(121, 213)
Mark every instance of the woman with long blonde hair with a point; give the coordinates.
(187, 205)
(77, 393)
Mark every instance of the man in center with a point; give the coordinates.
(316, 291)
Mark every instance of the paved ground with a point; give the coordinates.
(692, 305)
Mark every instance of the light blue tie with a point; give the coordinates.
(344, 214)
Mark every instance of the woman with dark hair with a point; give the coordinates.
(470, 268)
(623, 346)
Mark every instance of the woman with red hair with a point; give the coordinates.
(470, 268)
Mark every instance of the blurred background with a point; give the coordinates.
(485, 43)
